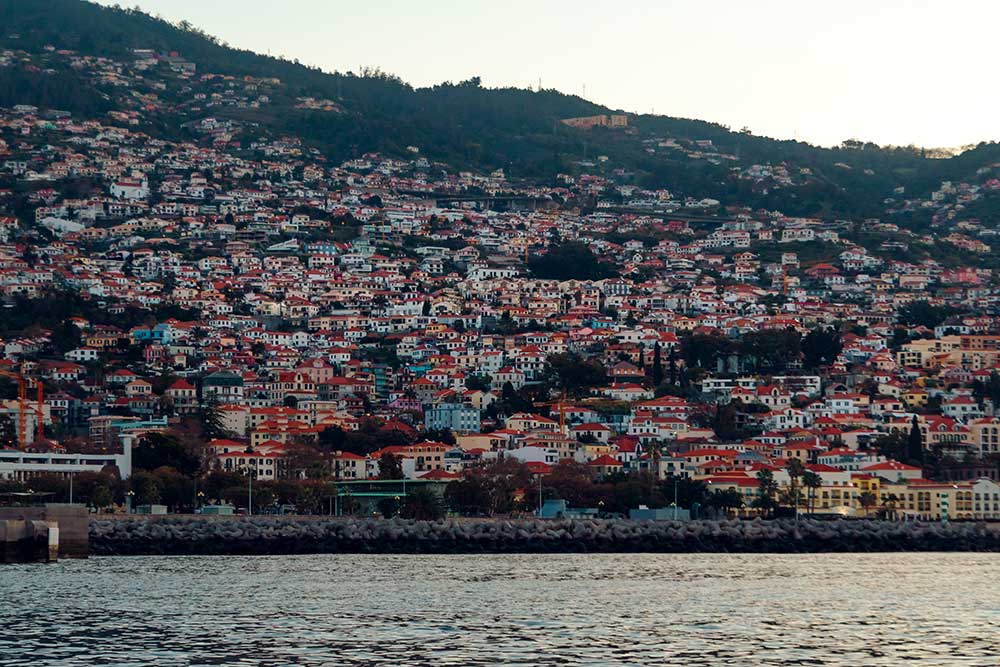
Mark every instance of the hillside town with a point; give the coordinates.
(229, 318)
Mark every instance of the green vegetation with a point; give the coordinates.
(468, 125)
(923, 314)
(569, 261)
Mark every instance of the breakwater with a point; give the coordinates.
(294, 535)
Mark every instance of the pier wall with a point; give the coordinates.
(73, 522)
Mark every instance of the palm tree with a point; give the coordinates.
(890, 506)
(725, 500)
(811, 481)
(795, 471)
(766, 489)
(867, 500)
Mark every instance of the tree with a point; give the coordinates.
(771, 349)
(156, 450)
(332, 438)
(890, 506)
(657, 366)
(468, 495)
(820, 347)
(795, 471)
(725, 500)
(147, 486)
(176, 489)
(478, 383)
(65, 337)
(811, 481)
(989, 390)
(867, 500)
(689, 491)
(893, 446)
(568, 261)
(442, 435)
(706, 350)
(724, 421)
(213, 421)
(576, 374)
(422, 504)
(389, 467)
(388, 507)
(923, 314)
(100, 497)
(490, 488)
(217, 482)
(766, 490)
(915, 443)
(304, 461)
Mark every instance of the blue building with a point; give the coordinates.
(453, 416)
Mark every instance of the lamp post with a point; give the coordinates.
(398, 507)
(539, 512)
(199, 500)
(128, 501)
(250, 473)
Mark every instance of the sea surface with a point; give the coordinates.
(830, 609)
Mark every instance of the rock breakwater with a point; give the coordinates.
(291, 535)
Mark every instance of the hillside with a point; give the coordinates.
(463, 124)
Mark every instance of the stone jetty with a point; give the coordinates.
(300, 535)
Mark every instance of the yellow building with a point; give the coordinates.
(915, 398)
(985, 435)
(932, 500)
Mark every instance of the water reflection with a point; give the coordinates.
(824, 609)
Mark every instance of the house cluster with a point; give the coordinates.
(300, 301)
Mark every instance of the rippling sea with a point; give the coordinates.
(830, 609)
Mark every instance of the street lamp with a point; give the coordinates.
(128, 501)
(250, 474)
(200, 499)
(539, 512)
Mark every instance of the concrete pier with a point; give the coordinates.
(28, 541)
(67, 525)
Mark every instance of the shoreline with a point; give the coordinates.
(169, 535)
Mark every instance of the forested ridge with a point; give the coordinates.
(468, 125)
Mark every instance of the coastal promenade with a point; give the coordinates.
(167, 535)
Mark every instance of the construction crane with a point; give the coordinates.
(22, 408)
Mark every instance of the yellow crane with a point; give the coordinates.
(22, 408)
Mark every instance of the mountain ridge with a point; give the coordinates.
(466, 125)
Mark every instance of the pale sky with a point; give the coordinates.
(889, 71)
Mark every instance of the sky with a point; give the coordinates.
(890, 71)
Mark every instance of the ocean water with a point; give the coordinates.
(701, 609)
